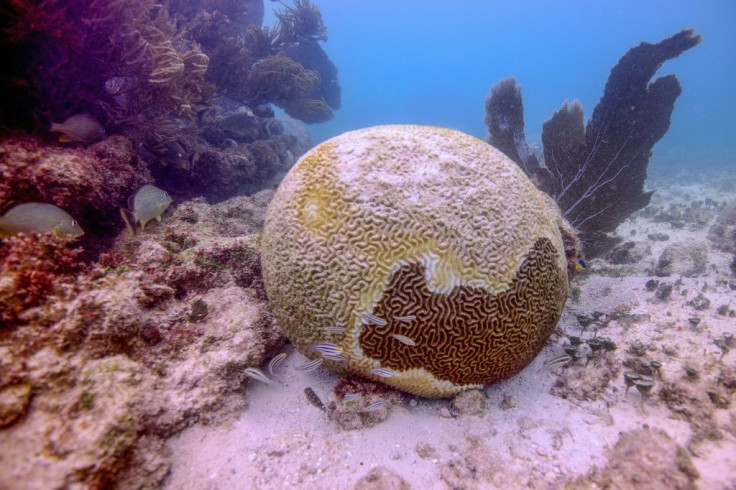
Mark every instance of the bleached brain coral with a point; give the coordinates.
(420, 257)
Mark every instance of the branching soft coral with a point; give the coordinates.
(302, 23)
(284, 65)
(123, 61)
(33, 267)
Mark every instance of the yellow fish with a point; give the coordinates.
(81, 128)
(148, 203)
(38, 217)
(580, 265)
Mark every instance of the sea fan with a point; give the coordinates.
(596, 173)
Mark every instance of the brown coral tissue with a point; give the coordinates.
(596, 172)
(32, 268)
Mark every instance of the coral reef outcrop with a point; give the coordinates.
(596, 172)
(101, 368)
(189, 83)
(90, 184)
(437, 263)
(688, 259)
(644, 458)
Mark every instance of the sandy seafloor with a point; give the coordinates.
(530, 434)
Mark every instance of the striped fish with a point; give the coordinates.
(403, 339)
(335, 330)
(405, 319)
(314, 399)
(557, 361)
(257, 374)
(350, 397)
(376, 405)
(373, 319)
(382, 372)
(276, 362)
(311, 365)
(329, 351)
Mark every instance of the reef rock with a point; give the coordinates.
(441, 265)
(687, 259)
(723, 231)
(90, 184)
(643, 458)
(99, 370)
(629, 253)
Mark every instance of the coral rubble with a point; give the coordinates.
(644, 458)
(596, 172)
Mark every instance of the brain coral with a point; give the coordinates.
(416, 256)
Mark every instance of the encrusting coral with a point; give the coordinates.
(33, 268)
(401, 239)
(596, 173)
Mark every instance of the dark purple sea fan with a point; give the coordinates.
(596, 173)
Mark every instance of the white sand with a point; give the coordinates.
(527, 436)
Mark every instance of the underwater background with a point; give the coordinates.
(157, 330)
(432, 62)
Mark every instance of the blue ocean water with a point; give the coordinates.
(434, 61)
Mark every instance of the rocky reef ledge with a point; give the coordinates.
(117, 357)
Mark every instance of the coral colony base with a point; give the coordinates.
(416, 256)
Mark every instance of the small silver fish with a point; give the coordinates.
(257, 374)
(148, 203)
(371, 318)
(38, 217)
(375, 406)
(80, 128)
(405, 319)
(335, 330)
(314, 399)
(557, 361)
(383, 372)
(311, 365)
(117, 85)
(350, 397)
(403, 339)
(276, 362)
